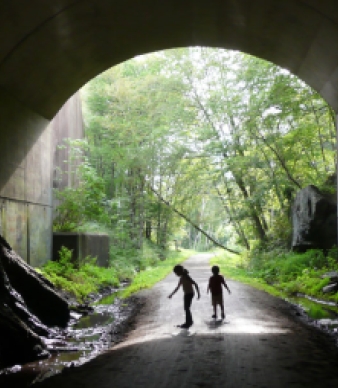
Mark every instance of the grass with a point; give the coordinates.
(281, 273)
(143, 270)
(152, 275)
(233, 267)
(79, 280)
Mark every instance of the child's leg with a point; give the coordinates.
(214, 306)
(222, 309)
(187, 305)
(215, 311)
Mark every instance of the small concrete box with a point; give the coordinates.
(83, 245)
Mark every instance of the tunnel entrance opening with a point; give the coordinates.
(51, 50)
(224, 128)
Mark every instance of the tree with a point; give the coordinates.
(207, 129)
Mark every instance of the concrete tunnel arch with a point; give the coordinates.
(51, 48)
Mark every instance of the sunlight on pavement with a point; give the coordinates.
(237, 326)
(245, 326)
(246, 317)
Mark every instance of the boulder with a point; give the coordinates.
(330, 288)
(38, 293)
(314, 219)
(333, 276)
(30, 307)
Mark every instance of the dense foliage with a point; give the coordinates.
(283, 273)
(224, 137)
(197, 143)
(84, 278)
(79, 279)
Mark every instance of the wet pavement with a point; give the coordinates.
(85, 338)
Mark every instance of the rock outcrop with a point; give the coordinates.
(314, 219)
(29, 308)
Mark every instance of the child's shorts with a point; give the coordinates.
(217, 299)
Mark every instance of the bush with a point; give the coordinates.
(286, 266)
(84, 278)
(79, 279)
(287, 272)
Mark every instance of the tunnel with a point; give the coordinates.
(49, 49)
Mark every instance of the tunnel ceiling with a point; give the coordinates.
(50, 48)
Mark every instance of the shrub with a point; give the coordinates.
(86, 277)
(288, 272)
(79, 279)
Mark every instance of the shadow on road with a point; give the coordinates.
(212, 360)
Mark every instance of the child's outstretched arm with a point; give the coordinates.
(176, 289)
(226, 286)
(197, 289)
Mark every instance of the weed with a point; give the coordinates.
(85, 277)
(282, 273)
(151, 275)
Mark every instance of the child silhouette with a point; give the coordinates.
(215, 286)
(188, 285)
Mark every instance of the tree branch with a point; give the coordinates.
(191, 222)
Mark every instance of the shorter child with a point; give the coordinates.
(188, 289)
(215, 286)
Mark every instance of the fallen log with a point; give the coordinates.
(29, 307)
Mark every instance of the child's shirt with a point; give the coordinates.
(215, 284)
(187, 284)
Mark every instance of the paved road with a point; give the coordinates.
(261, 344)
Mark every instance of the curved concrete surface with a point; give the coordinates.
(51, 48)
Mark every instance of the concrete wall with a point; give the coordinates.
(25, 181)
(83, 245)
(67, 124)
(28, 151)
(49, 49)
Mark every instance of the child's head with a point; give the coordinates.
(215, 269)
(180, 270)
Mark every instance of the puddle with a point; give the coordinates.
(107, 300)
(84, 339)
(96, 319)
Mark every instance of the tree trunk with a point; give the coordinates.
(148, 229)
(230, 213)
(253, 212)
(28, 305)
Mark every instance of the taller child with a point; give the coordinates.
(188, 285)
